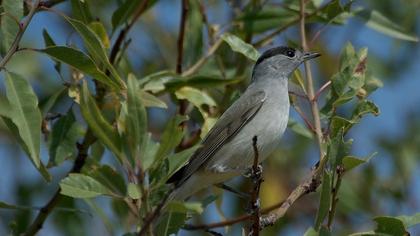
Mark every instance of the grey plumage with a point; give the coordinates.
(262, 110)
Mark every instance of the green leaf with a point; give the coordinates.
(177, 160)
(82, 186)
(298, 128)
(380, 23)
(390, 226)
(63, 139)
(238, 45)
(350, 162)
(325, 200)
(363, 108)
(124, 12)
(127, 9)
(97, 122)
(48, 41)
(100, 31)
(95, 48)
(136, 118)
(25, 114)
(170, 223)
(133, 191)
(4, 107)
(193, 43)
(109, 177)
(150, 100)
(196, 97)
(185, 207)
(171, 137)
(410, 221)
(149, 155)
(51, 101)
(10, 18)
(80, 10)
(80, 61)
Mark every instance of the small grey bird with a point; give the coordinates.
(262, 111)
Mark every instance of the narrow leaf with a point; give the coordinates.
(82, 186)
(80, 10)
(380, 23)
(410, 221)
(97, 122)
(80, 61)
(325, 200)
(133, 191)
(12, 13)
(150, 100)
(238, 45)
(25, 114)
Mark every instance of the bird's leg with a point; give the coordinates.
(240, 194)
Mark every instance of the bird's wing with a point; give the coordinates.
(226, 128)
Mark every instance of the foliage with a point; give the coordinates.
(102, 121)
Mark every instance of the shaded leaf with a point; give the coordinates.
(298, 128)
(80, 61)
(325, 199)
(136, 119)
(150, 100)
(80, 10)
(110, 178)
(124, 12)
(185, 207)
(82, 186)
(177, 160)
(380, 23)
(97, 122)
(171, 137)
(170, 223)
(390, 226)
(238, 45)
(52, 100)
(11, 15)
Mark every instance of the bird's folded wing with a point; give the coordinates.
(225, 129)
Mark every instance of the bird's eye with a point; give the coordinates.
(290, 53)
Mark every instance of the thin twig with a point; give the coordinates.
(15, 45)
(320, 90)
(256, 176)
(274, 212)
(309, 82)
(204, 59)
(183, 104)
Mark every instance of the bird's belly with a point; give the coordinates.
(238, 155)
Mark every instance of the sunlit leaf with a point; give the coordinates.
(133, 191)
(410, 221)
(298, 128)
(238, 45)
(149, 100)
(24, 113)
(100, 31)
(82, 186)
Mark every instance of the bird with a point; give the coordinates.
(262, 111)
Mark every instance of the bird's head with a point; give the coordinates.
(280, 61)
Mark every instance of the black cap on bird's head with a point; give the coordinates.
(282, 59)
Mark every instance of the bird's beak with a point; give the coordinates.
(310, 55)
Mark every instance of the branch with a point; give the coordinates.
(274, 212)
(256, 176)
(183, 104)
(334, 198)
(309, 82)
(15, 45)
